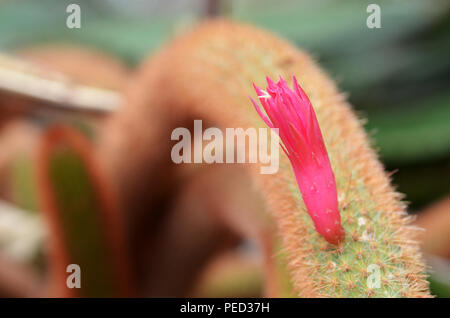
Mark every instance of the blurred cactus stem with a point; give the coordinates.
(84, 225)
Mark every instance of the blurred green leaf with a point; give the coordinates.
(413, 132)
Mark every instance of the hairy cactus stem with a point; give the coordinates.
(84, 223)
(208, 74)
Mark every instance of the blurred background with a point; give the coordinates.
(397, 77)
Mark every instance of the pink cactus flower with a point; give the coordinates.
(292, 113)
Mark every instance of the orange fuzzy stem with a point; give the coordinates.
(83, 219)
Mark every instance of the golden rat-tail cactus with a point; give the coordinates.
(85, 227)
(208, 74)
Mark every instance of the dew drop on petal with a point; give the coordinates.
(313, 188)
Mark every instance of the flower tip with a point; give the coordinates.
(294, 80)
(258, 90)
(270, 81)
(281, 80)
(335, 237)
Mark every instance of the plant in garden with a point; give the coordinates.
(84, 224)
(223, 59)
(208, 74)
